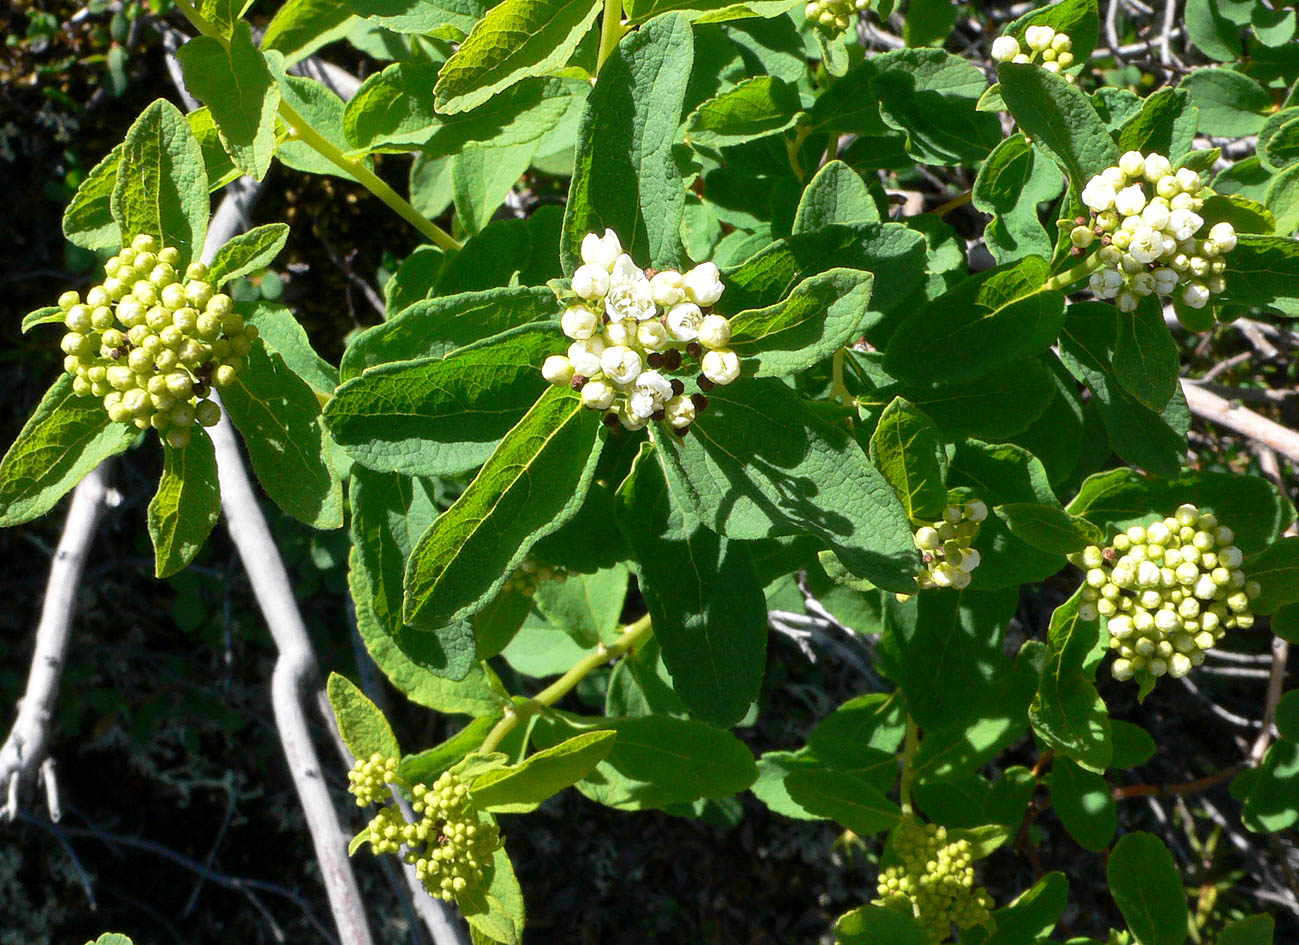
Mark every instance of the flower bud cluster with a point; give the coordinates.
(450, 844)
(1146, 218)
(934, 882)
(945, 546)
(1169, 591)
(530, 574)
(632, 328)
(1043, 45)
(832, 17)
(153, 342)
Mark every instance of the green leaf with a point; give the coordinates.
(88, 220)
(1083, 802)
(1263, 271)
(49, 315)
(624, 174)
(876, 925)
(1059, 116)
(248, 252)
(1281, 148)
(822, 314)
(1283, 197)
(435, 327)
(1285, 623)
(1212, 33)
(1133, 745)
(1146, 360)
(482, 177)
(187, 504)
(1231, 104)
(843, 798)
(450, 18)
(1166, 124)
(703, 596)
(522, 787)
(1276, 569)
(944, 648)
(530, 486)
(1156, 441)
(389, 513)
(754, 108)
(931, 96)
(220, 169)
(278, 416)
(836, 194)
(928, 22)
(1032, 916)
(234, 81)
(1269, 805)
(1147, 888)
(986, 322)
(1051, 529)
(759, 463)
(322, 109)
(1079, 18)
(360, 723)
(441, 416)
(658, 761)
(284, 335)
(424, 767)
(516, 39)
(1012, 182)
(1067, 713)
(161, 185)
(908, 449)
(300, 27)
(1251, 930)
(706, 11)
(66, 437)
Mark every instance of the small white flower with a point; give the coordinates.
(668, 288)
(1196, 295)
(684, 320)
(585, 356)
(1132, 163)
(591, 282)
(970, 559)
(1061, 42)
(976, 510)
(1156, 168)
(598, 395)
(714, 332)
(652, 335)
(1020, 58)
(620, 333)
(1099, 285)
(1224, 234)
(1050, 67)
(680, 411)
(1126, 302)
(1185, 201)
(655, 385)
(641, 407)
(1155, 215)
(620, 364)
(1168, 187)
(703, 284)
(1217, 284)
(557, 369)
(602, 251)
(1189, 180)
(1130, 201)
(721, 366)
(1039, 38)
(1145, 246)
(579, 322)
(1115, 178)
(629, 293)
(1005, 48)
(1082, 236)
(1065, 58)
(1098, 195)
(1143, 283)
(1165, 281)
(1182, 224)
(1199, 266)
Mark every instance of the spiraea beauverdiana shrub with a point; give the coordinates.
(818, 317)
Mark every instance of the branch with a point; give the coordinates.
(1210, 406)
(24, 752)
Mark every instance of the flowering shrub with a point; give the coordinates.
(740, 370)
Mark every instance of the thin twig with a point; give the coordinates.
(1275, 684)
(1210, 406)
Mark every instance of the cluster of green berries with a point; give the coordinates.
(153, 342)
(531, 574)
(631, 327)
(833, 17)
(934, 882)
(1052, 50)
(450, 845)
(1152, 238)
(945, 547)
(1168, 591)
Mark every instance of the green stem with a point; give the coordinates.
(792, 146)
(611, 30)
(947, 206)
(313, 139)
(907, 762)
(1076, 274)
(840, 391)
(631, 635)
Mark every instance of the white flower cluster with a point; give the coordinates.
(832, 17)
(1168, 591)
(532, 573)
(945, 547)
(1055, 50)
(629, 326)
(1146, 217)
